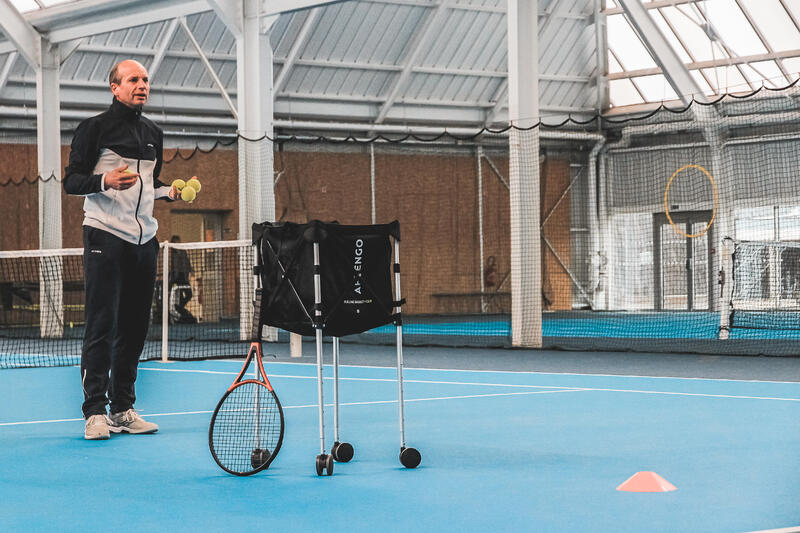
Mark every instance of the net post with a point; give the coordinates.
(594, 225)
(726, 287)
(165, 303)
(725, 225)
(246, 292)
(604, 266)
(482, 266)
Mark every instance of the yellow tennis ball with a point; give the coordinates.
(188, 194)
(179, 184)
(194, 183)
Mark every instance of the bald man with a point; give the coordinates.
(114, 164)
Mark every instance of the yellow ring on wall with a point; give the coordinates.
(713, 210)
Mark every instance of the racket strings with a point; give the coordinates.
(248, 419)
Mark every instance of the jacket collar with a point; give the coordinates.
(119, 109)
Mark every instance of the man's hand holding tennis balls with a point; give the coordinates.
(120, 178)
(186, 190)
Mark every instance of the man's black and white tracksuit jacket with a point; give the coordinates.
(119, 136)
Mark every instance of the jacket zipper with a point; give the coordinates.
(139, 201)
(141, 183)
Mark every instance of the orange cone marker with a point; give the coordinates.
(647, 482)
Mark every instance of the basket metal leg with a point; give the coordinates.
(336, 389)
(399, 341)
(409, 457)
(400, 402)
(318, 320)
(320, 397)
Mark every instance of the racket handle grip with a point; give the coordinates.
(255, 331)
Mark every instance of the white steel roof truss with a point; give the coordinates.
(297, 47)
(499, 98)
(222, 90)
(230, 13)
(342, 64)
(22, 35)
(12, 57)
(161, 50)
(68, 48)
(433, 22)
(150, 16)
(276, 7)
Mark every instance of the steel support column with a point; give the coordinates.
(48, 127)
(255, 110)
(523, 112)
(48, 119)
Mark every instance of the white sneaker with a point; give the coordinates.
(97, 428)
(130, 422)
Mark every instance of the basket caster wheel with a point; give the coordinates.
(259, 457)
(324, 464)
(410, 457)
(342, 451)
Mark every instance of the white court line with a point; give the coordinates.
(386, 380)
(268, 362)
(598, 389)
(795, 529)
(376, 402)
(512, 372)
(702, 395)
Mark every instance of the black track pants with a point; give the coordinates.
(119, 279)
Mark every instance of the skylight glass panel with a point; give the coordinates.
(701, 81)
(670, 35)
(733, 28)
(728, 79)
(794, 8)
(773, 77)
(613, 64)
(756, 78)
(23, 6)
(630, 50)
(774, 24)
(793, 66)
(622, 92)
(688, 30)
(656, 88)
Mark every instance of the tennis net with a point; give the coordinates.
(208, 309)
(766, 288)
(633, 215)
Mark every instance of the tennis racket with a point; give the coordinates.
(246, 430)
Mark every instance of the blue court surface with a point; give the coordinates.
(501, 450)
